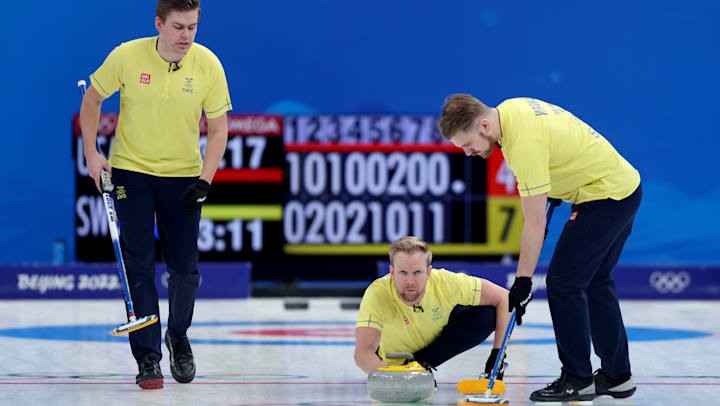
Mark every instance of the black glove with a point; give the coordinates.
(520, 296)
(194, 196)
(491, 363)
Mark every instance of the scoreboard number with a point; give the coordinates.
(331, 185)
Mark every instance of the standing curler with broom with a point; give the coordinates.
(554, 154)
(165, 83)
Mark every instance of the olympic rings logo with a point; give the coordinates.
(670, 282)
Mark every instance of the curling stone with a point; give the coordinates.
(401, 383)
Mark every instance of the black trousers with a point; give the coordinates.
(467, 327)
(581, 292)
(140, 199)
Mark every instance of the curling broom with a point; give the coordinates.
(133, 322)
(492, 387)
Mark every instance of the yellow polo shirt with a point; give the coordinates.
(551, 151)
(405, 329)
(160, 108)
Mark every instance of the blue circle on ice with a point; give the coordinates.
(99, 332)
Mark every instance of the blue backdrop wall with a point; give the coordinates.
(643, 74)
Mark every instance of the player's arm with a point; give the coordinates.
(89, 120)
(533, 232)
(494, 295)
(215, 149)
(367, 341)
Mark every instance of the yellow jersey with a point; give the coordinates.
(160, 106)
(411, 328)
(551, 151)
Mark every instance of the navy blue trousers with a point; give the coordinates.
(140, 199)
(467, 327)
(581, 292)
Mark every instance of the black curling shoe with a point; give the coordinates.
(617, 386)
(149, 376)
(567, 388)
(182, 363)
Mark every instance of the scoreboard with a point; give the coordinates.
(332, 185)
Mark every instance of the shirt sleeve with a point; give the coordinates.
(531, 166)
(467, 289)
(107, 78)
(217, 100)
(370, 314)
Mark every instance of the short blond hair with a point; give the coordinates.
(459, 113)
(410, 245)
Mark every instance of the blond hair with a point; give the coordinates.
(410, 245)
(459, 113)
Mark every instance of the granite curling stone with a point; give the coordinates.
(401, 383)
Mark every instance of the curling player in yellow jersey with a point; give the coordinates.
(165, 84)
(554, 154)
(434, 314)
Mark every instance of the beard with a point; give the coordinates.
(410, 296)
(486, 153)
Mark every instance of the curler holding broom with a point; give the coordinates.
(553, 154)
(165, 83)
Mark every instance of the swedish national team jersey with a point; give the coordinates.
(551, 151)
(160, 108)
(408, 329)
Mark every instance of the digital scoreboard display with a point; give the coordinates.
(336, 185)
